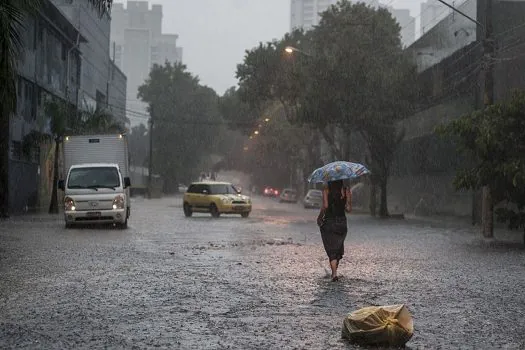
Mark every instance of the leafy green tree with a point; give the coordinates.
(279, 148)
(269, 73)
(361, 81)
(185, 119)
(237, 113)
(495, 139)
(12, 15)
(348, 77)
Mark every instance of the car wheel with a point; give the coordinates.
(68, 225)
(245, 214)
(187, 210)
(214, 211)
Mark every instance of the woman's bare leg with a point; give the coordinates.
(333, 266)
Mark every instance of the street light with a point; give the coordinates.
(291, 49)
(256, 132)
(267, 120)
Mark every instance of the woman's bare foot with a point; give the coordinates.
(335, 279)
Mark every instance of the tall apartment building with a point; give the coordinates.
(306, 13)
(407, 24)
(432, 12)
(102, 84)
(138, 43)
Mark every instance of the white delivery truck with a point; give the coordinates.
(97, 184)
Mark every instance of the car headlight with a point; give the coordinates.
(118, 202)
(226, 200)
(69, 204)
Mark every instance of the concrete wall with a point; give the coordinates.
(450, 84)
(447, 37)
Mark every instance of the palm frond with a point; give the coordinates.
(102, 6)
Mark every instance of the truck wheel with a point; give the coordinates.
(187, 210)
(214, 211)
(245, 214)
(123, 225)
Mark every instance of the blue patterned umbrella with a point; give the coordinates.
(338, 171)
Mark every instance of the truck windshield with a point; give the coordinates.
(96, 177)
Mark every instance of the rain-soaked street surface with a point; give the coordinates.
(203, 283)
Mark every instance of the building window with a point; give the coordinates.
(26, 100)
(101, 100)
(16, 150)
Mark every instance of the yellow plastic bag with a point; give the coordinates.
(379, 325)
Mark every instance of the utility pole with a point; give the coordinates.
(487, 205)
(150, 170)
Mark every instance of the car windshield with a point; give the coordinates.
(222, 189)
(315, 194)
(96, 177)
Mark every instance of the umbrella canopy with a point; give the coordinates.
(338, 171)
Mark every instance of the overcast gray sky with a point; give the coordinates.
(215, 33)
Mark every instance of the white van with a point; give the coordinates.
(97, 185)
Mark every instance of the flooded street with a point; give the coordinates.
(262, 282)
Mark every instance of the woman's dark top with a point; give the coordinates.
(336, 205)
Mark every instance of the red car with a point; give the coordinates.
(270, 192)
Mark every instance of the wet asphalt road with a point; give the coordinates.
(257, 283)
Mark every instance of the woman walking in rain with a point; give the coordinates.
(337, 201)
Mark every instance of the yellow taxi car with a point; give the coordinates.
(216, 198)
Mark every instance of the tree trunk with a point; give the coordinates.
(53, 205)
(487, 212)
(383, 206)
(373, 198)
(4, 163)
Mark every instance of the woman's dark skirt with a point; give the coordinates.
(333, 233)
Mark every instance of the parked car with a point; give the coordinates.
(313, 199)
(288, 195)
(216, 198)
(182, 188)
(270, 192)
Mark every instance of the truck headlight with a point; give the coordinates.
(69, 204)
(118, 202)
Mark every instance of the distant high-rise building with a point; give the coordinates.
(137, 44)
(407, 24)
(306, 13)
(432, 12)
